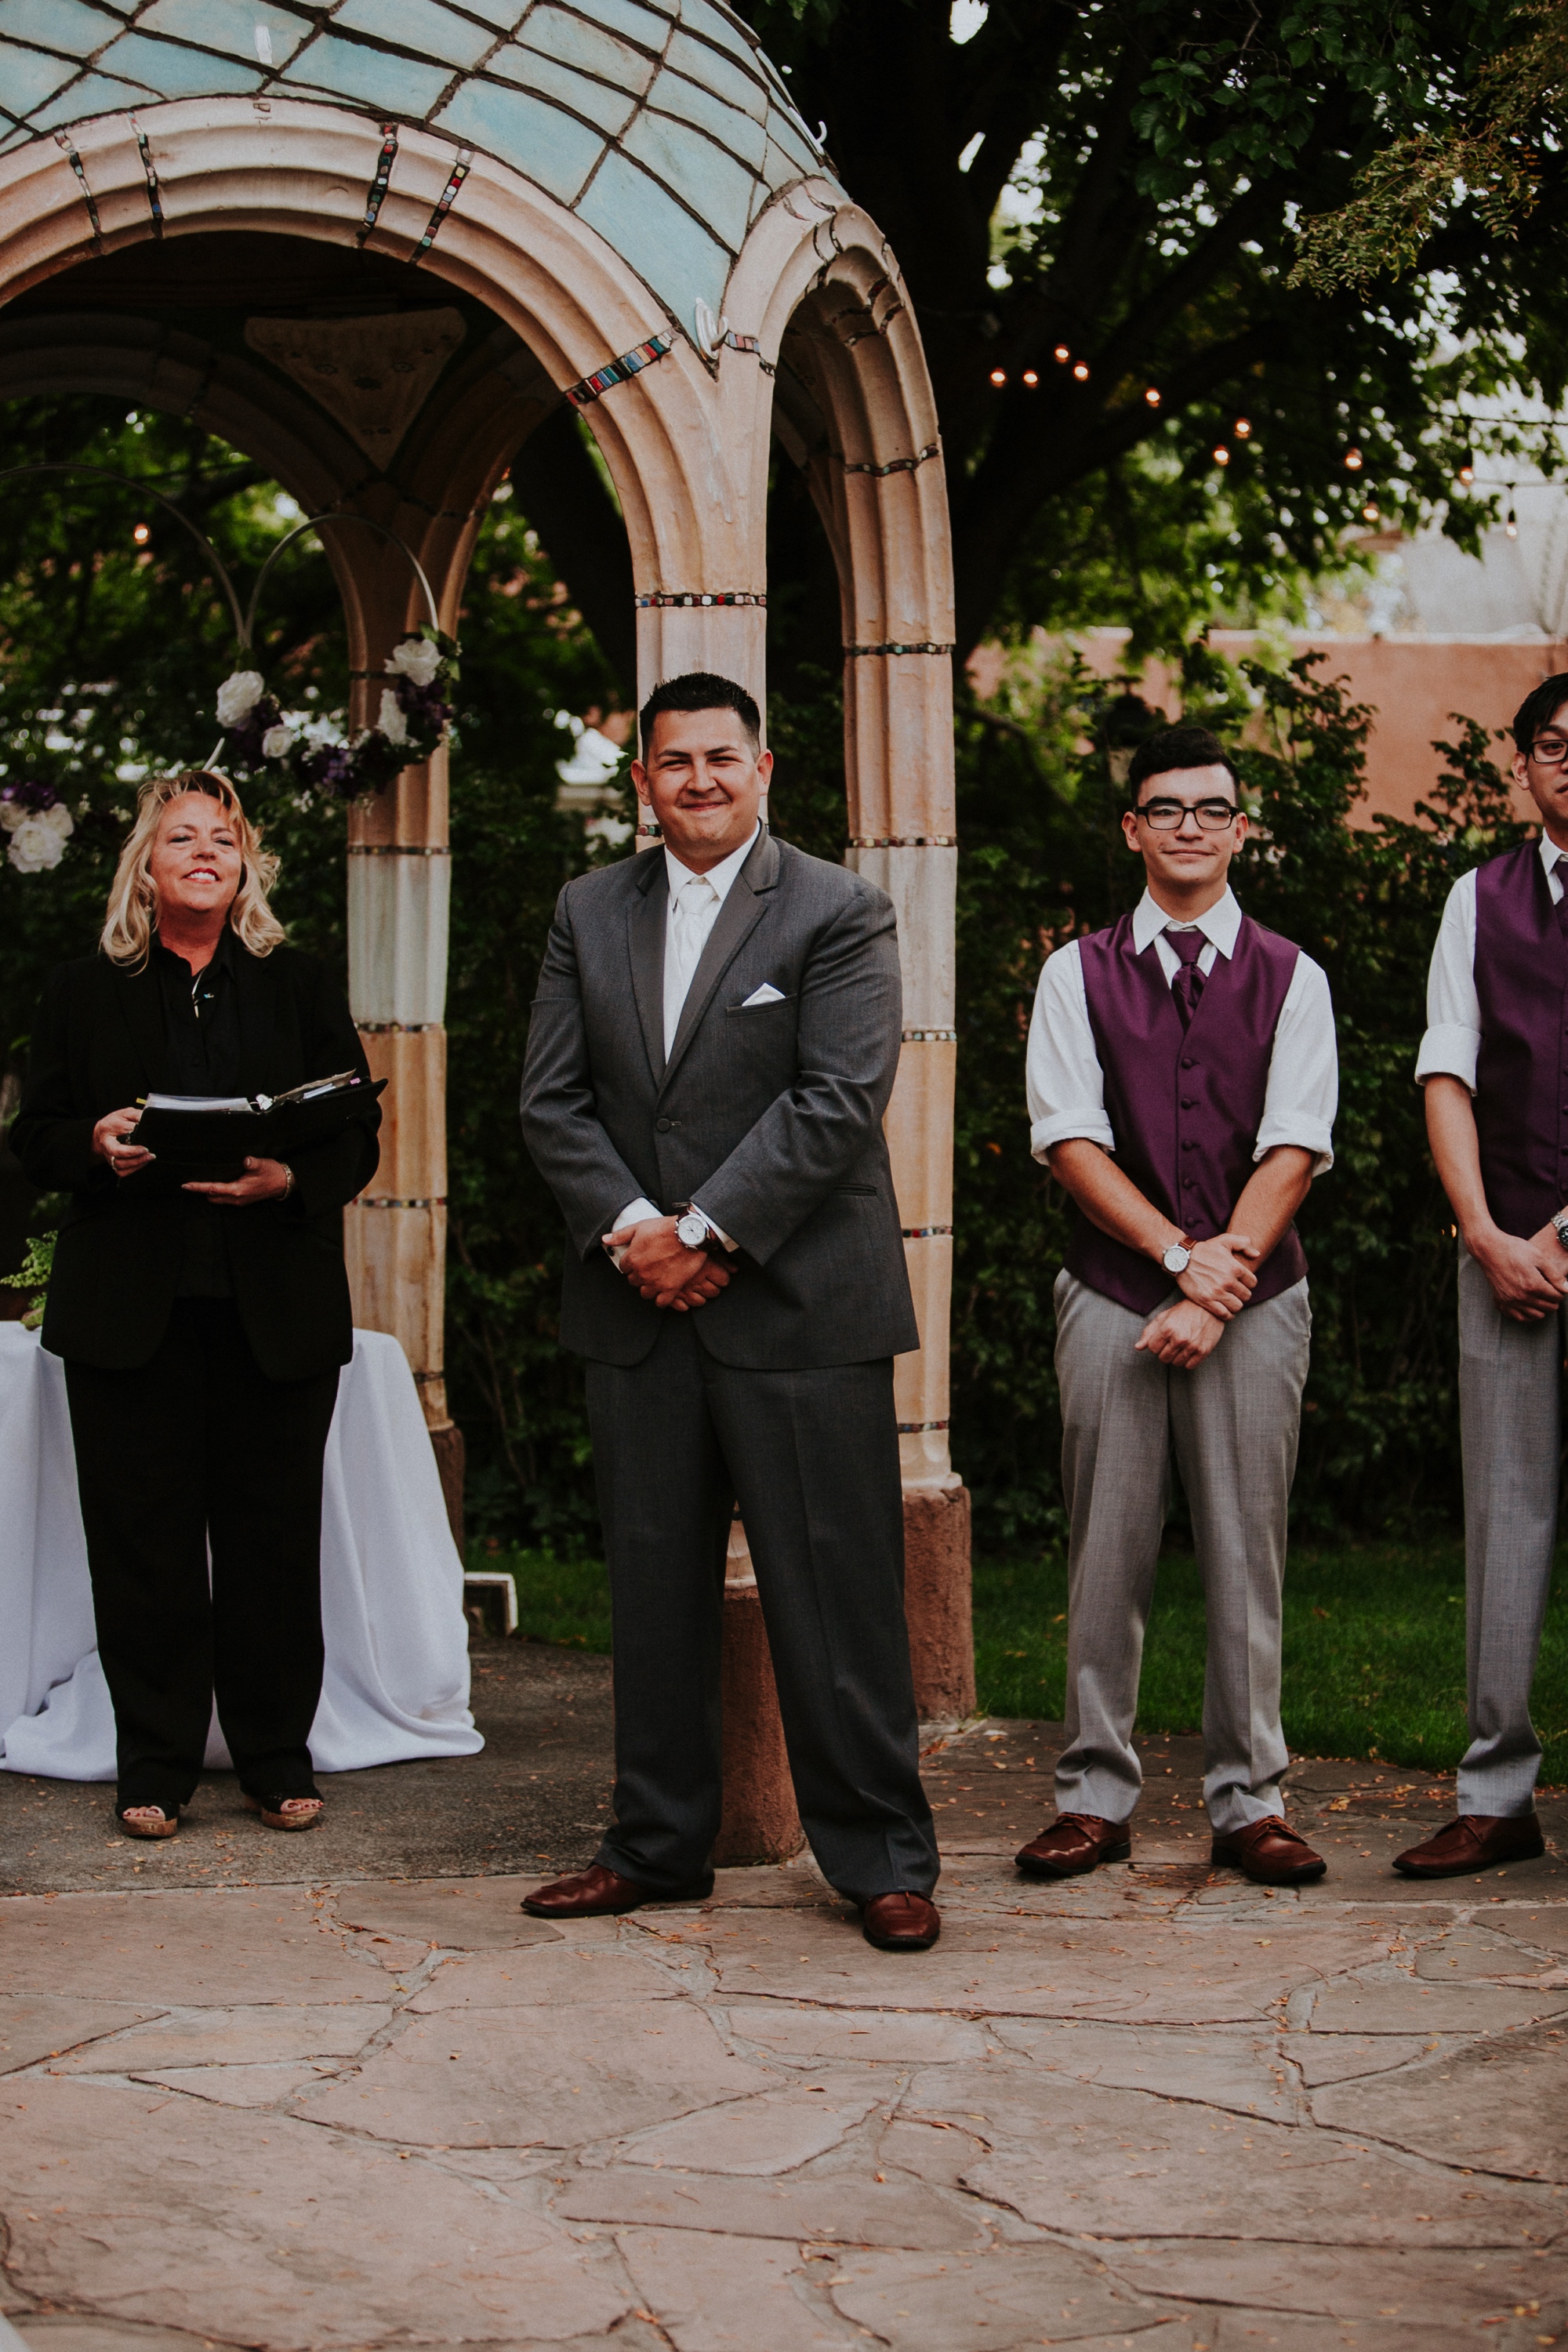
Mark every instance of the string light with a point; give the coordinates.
(1222, 456)
(1353, 460)
(1062, 353)
(1243, 428)
(1081, 371)
(1153, 397)
(1466, 472)
(1030, 377)
(998, 375)
(141, 534)
(1369, 511)
(1511, 525)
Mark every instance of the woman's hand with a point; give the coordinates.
(264, 1179)
(108, 1142)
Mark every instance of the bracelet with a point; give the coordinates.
(289, 1186)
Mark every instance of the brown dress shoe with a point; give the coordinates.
(595, 1893)
(901, 1923)
(1074, 1842)
(1473, 1841)
(1271, 1852)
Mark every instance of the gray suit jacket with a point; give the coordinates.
(772, 1114)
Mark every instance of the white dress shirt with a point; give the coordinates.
(1066, 1086)
(694, 903)
(1452, 1045)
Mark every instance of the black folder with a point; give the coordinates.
(206, 1139)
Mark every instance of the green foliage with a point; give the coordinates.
(33, 1276)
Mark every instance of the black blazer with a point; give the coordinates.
(97, 1044)
(771, 1114)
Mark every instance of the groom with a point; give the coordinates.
(712, 1047)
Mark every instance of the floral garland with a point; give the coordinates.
(412, 723)
(38, 823)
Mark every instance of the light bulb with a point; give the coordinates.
(1029, 376)
(1511, 525)
(141, 534)
(1081, 371)
(1222, 456)
(1062, 352)
(998, 375)
(1466, 473)
(1369, 511)
(1243, 428)
(1353, 459)
(1153, 397)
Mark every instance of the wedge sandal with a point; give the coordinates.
(307, 1814)
(164, 1826)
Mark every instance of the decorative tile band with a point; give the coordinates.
(376, 193)
(618, 370)
(387, 1200)
(913, 1428)
(87, 195)
(930, 1036)
(903, 841)
(894, 464)
(926, 1232)
(445, 201)
(154, 199)
(853, 652)
(392, 849)
(663, 598)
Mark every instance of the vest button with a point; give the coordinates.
(1188, 1101)
(664, 1124)
(1189, 1144)
(1188, 1183)
(1187, 1062)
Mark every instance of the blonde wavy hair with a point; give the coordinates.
(127, 934)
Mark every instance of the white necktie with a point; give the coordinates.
(690, 921)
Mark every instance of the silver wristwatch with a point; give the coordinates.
(693, 1230)
(1177, 1258)
(1560, 1227)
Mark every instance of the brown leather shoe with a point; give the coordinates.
(901, 1923)
(1473, 1841)
(596, 1893)
(1271, 1852)
(1074, 1842)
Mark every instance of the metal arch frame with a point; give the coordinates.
(244, 623)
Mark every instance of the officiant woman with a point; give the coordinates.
(202, 1326)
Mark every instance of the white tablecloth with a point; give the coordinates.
(396, 1681)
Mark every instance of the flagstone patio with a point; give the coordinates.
(347, 2111)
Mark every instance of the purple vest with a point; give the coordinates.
(1185, 1105)
(1521, 1075)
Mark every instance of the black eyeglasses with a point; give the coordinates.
(1550, 750)
(1165, 816)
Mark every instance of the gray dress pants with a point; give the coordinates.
(1233, 1423)
(1510, 1422)
(812, 1457)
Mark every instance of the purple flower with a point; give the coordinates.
(32, 797)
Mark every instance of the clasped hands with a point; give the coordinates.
(1216, 1285)
(1528, 1278)
(664, 1270)
(264, 1179)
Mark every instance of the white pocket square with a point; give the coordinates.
(766, 994)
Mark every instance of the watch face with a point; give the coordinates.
(692, 1231)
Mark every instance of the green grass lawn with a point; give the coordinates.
(1375, 1645)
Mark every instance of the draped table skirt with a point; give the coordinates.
(396, 1680)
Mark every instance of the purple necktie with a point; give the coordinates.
(1187, 984)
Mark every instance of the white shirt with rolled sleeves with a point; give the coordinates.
(686, 936)
(1451, 1046)
(1066, 1086)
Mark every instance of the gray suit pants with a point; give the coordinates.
(812, 1457)
(1233, 1423)
(1510, 1423)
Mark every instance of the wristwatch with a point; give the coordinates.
(1560, 1227)
(1176, 1258)
(693, 1230)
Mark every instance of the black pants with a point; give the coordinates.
(198, 1446)
(812, 1457)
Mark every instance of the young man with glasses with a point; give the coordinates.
(1183, 1082)
(1494, 1063)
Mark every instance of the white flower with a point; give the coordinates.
(36, 845)
(238, 696)
(11, 814)
(59, 818)
(417, 658)
(390, 720)
(278, 742)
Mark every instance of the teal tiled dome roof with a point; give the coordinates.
(659, 123)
